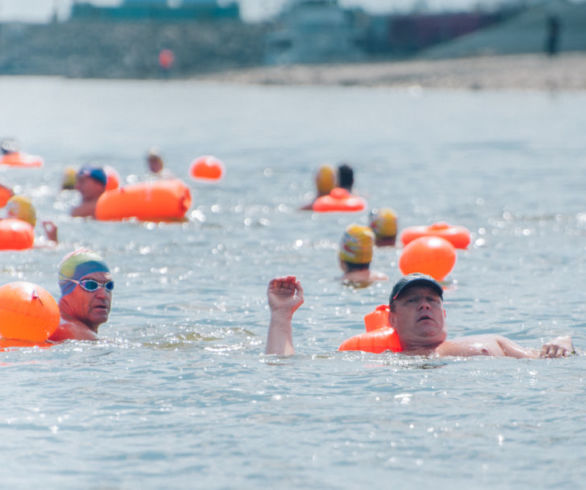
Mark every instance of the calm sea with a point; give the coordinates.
(178, 393)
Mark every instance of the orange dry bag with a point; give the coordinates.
(379, 336)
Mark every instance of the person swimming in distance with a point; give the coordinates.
(345, 177)
(21, 207)
(91, 184)
(383, 223)
(156, 165)
(355, 255)
(325, 181)
(417, 315)
(86, 295)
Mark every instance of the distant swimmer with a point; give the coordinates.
(417, 315)
(345, 177)
(156, 165)
(86, 295)
(355, 255)
(383, 223)
(91, 184)
(325, 181)
(21, 207)
(69, 178)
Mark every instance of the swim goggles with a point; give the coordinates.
(91, 285)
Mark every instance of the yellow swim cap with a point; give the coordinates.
(22, 208)
(356, 245)
(384, 223)
(325, 179)
(69, 177)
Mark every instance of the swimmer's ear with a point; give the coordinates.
(445, 312)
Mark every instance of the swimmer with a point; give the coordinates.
(416, 313)
(86, 296)
(8, 146)
(325, 181)
(355, 256)
(21, 207)
(383, 223)
(69, 178)
(91, 184)
(156, 165)
(345, 177)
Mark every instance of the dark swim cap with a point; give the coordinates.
(415, 279)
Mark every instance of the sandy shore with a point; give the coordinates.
(524, 72)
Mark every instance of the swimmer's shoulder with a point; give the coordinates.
(475, 345)
(72, 331)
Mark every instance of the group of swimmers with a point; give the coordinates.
(415, 305)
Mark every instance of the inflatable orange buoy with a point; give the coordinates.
(28, 315)
(207, 167)
(17, 159)
(5, 194)
(429, 255)
(458, 236)
(379, 336)
(112, 178)
(16, 234)
(163, 200)
(338, 200)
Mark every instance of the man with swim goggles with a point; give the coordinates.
(86, 295)
(417, 315)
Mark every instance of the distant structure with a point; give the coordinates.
(314, 31)
(157, 10)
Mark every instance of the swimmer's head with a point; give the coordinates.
(384, 223)
(415, 279)
(155, 161)
(325, 179)
(356, 245)
(69, 178)
(96, 173)
(77, 265)
(21, 207)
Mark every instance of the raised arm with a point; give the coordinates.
(285, 295)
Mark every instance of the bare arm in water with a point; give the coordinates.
(285, 295)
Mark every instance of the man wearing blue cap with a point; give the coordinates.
(86, 295)
(416, 314)
(91, 184)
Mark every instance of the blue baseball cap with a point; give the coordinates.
(96, 173)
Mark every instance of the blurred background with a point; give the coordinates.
(179, 38)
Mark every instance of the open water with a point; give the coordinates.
(178, 393)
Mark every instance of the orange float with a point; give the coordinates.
(338, 200)
(28, 315)
(16, 234)
(429, 255)
(112, 178)
(5, 194)
(166, 58)
(379, 336)
(458, 236)
(18, 159)
(163, 200)
(207, 168)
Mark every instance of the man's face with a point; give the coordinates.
(92, 308)
(88, 187)
(418, 317)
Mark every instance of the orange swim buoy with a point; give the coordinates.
(163, 200)
(429, 255)
(112, 178)
(458, 236)
(16, 234)
(338, 200)
(379, 336)
(5, 194)
(28, 315)
(18, 159)
(207, 168)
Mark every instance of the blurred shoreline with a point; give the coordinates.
(565, 71)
